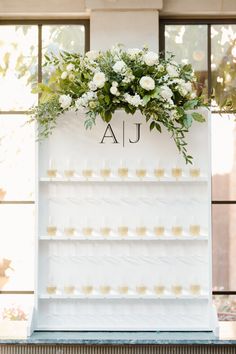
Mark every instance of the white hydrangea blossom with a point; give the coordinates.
(119, 67)
(133, 100)
(65, 101)
(99, 79)
(92, 55)
(172, 70)
(166, 93)
(85, 99)
(133, 52)
(151, 58)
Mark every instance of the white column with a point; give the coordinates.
(133, 23)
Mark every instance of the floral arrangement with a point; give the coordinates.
(14, 314)
(99, 83)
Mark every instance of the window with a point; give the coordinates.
(210, 46)
(22, 46)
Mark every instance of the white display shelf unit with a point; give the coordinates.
(114, 260)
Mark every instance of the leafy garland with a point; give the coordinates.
(99, 83)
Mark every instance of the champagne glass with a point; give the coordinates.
(87, 230)
(177, 229)
(177, 288)
(69, 230)
(194, 171)
(122, 228)
(105, 230)
(105, 289)
(87, 171)
(141, 171)
(159, 229)
(159, 289)
(194, 228)
(141, 289)
(176, 171)
(159, 171)
(51, 228)
(51, 171)
(123, 170)
(195, 289)
(141, 230)
(105, 171)
(69, 171)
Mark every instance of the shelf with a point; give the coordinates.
(125, 238)
(125, 180)
(150, 296)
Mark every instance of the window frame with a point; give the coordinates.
(208, 22)
(39, 24)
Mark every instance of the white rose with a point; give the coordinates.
(147, 83)
(172, 70)
(64, 75)
(133, 52)
(114, 91)
(65, 101)
(70, 67)
(119, 66)
(150, 58)
(114, 83)
(92, 54)
(166, 93)
(99, 79)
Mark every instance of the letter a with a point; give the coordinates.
(112, 135)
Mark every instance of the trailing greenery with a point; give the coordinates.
(99, 83)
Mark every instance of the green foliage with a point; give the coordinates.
(100, 83)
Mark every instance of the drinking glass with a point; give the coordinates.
(51, 171)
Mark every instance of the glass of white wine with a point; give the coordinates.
(159, 171)
(159, 289)
(141, 289)
(123, 289)
(51, 228)
(123, 170)
(177, 229)
(69, 171)
(194, 229)
(51, 171)
(105, 289)
(69, 289)
(105, 171)
(159, 228)
(123, 231)
(176, 172)
(141, 230)
(141, 171)
(177, 289)
(69, 230)
(87, 171)
(195, 289)
(87, 289)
